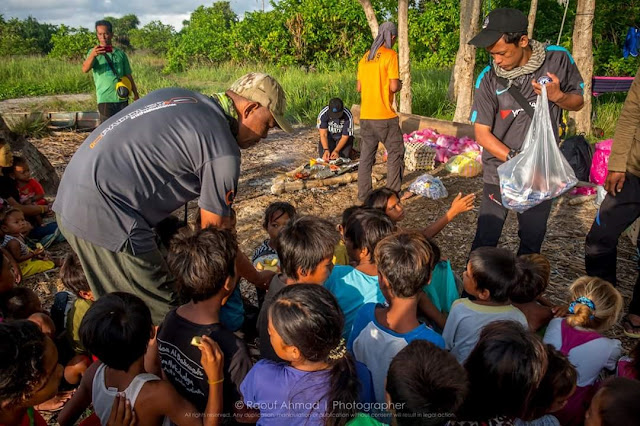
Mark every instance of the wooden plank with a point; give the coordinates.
(412, 122)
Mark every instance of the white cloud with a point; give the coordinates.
(83, 13)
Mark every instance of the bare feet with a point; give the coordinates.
(56, 403)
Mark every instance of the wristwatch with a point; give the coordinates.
(512, 153)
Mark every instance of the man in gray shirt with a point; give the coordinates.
(140, 165)
(501, 121)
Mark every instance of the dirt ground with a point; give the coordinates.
(564, 244)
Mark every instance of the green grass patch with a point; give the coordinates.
(308, 90)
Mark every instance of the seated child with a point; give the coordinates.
(505, 368)
(31, 262)
(319, 379)
(595, 308)
(388, 201)
(616, 403)
(629, 366)
(405, 262)
(354, 287)
(425, 384)
(117, 329)
(305, 249)
(29, 372)
(276, 217)
(340, 254)
(556, 387)
(490, 277)
(19, 303)
(525, 294)
(9, 270)
(203, 263)
(31, 192)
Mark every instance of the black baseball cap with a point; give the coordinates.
(497, 23)
(336, 108)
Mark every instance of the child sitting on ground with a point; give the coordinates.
(616, 403)
(203, 263)
(425, 384)
(388, 201)
(117, 329)
(505, 368)
(526, 293)
(629, 366)
(319, 383)
(490, 277)
(556, 387)
(340, 254)
(276, 217)
(31, 262)
(405, 262)
(29, 372)
(10, 274)
(305, 249)
(595, 308)
(31, 192)
(354, 287)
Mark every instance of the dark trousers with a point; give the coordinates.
(345, 152)
(388, 132)
(532, 224)
(107, 109)
(614, 216)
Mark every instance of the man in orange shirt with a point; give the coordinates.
(378, 81)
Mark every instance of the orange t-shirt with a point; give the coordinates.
(374, 79)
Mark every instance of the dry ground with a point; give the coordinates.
(564, 245)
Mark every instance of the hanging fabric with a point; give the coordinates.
(631, 43)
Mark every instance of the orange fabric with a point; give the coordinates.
(374, 77)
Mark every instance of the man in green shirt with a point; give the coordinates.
(109, 65)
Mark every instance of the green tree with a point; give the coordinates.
(155, 36)
(72, 43)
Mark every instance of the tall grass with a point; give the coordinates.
(308, 90)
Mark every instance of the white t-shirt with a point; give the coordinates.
(589, 358)
(467, 319)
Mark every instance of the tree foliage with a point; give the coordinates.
(155, 37)
(72, 43)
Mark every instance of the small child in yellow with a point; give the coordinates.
(14, 226)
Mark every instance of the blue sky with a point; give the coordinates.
(83, 13)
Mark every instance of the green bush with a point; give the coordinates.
(154, 37)
(72, 43)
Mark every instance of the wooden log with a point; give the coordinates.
(412, 122)
(281, 184)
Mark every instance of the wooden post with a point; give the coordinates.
(403, 56)
(532, 17)
(583, 55)
(371, 16)
(466, 60)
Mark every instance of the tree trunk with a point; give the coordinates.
(41, 168)
(583, 54)
(466, 60)
(371, 16)
(404, 57)
(532, 17)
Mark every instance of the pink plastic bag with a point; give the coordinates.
(600, 162)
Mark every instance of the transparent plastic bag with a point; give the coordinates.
(540, 172)
(429, 186)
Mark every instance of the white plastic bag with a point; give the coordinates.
(540, 172)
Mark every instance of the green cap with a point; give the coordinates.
(265, 90)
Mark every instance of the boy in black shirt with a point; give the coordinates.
(204, 266)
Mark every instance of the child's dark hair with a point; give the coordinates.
(168, 228)
(505, 368)
(366, 228)
(4, 214)
(72, 275)
(308, 317)
(22, 347)
(304, 243)
(406, 260)
(535, 278)
(17, 161)
(619, 398)
(202, 261)
(276, 210)
(19, 303)
(378, 199)
(347, 213)
(558, 381)
(497, 270)
(116, 329)
(424, 379)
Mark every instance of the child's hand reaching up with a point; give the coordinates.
(212, 360)
(461, 204)
(560, 311)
